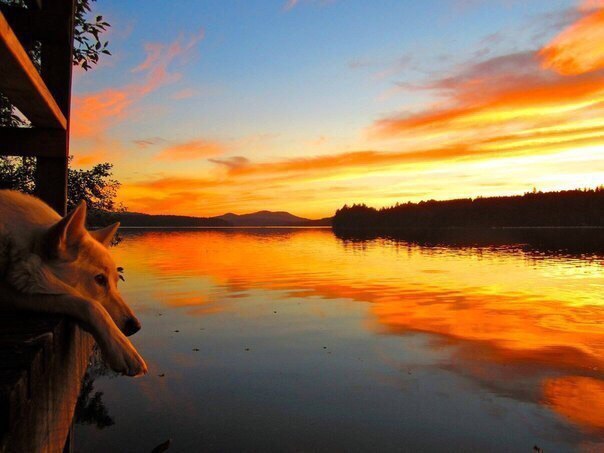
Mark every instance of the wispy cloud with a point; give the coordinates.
(185, 93)
(148, 142)
(94, 113)
(232, 163)
(290, 4)
(510, 91)
(512, 111)
(588, 5)
(577, 49)
(191, 150)
(538, 141)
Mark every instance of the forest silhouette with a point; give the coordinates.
(568, 208)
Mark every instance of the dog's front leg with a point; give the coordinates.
(116, 348)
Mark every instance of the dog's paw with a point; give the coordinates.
(123, 358)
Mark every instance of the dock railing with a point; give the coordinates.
(42, 358)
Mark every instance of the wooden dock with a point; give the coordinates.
(42, 358)
(42, 362)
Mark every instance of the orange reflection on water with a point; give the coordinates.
(580, 399)
(503, 305)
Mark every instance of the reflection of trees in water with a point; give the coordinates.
(583, 243)
(90, 408)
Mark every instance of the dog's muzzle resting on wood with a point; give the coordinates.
(55, 265)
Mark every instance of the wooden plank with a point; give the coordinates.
(23, 85)
(40, 380)
(32, 141)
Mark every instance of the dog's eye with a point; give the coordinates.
(101, 279)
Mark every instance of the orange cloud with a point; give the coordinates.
(84, 161)
(503, 91)
(506, 106)
(168, 203)
(94, 113)
(538, 140)
(355, 159)
(591, 4)
(194, 149)
(579, 48)
(175, 183)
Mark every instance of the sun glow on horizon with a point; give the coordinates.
(187, 137)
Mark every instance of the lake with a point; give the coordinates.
(299, 340)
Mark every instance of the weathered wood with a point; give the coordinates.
(51, 182)
(32, 141)
(43, 359)
(31, 25)
(57, 56)
(23, 85)
(51, 174)
(34, 4)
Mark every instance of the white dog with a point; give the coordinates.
(53, 264)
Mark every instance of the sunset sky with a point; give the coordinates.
(214, 106)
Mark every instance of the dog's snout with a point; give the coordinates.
(131, 326)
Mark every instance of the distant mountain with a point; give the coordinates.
(264, 218)
(325, 221)
(257, 219)
(137, 219)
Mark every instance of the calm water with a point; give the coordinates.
(296, 340)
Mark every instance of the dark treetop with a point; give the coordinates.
(536, 209)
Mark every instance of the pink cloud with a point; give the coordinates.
(94, 113)
(185, 93)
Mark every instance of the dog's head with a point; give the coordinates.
(81, 259)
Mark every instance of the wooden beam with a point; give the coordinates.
(57, 56)
(51, 182)
(57, 63)
(31, 25)
(32, 141)
(23, 85)
(34, 4)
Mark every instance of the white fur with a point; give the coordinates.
(49, 264)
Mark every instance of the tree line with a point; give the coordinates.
(580, 207)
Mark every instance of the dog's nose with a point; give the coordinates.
(132, 326)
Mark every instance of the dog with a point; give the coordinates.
(53, 264)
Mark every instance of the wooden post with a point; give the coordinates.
(42, 370)
(51, 182)
(51, 172)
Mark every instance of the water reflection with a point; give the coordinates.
(90, 407)
(508, 333)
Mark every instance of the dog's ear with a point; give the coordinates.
(62, 238)
(105, 235)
